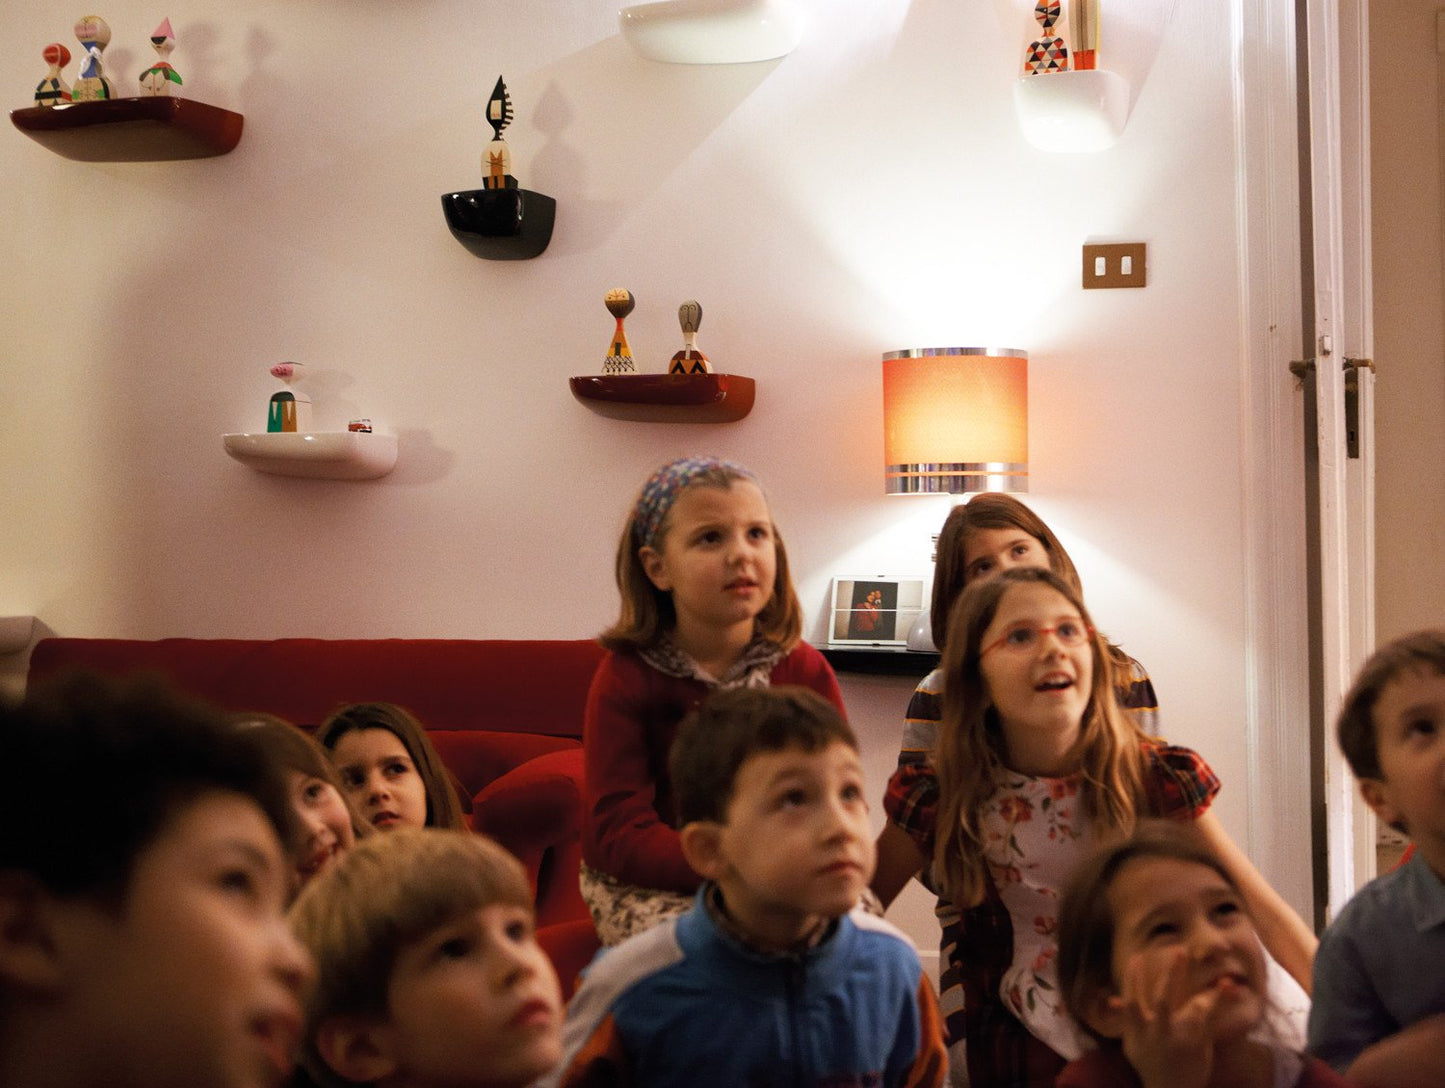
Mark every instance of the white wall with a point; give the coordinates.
(869, 192)
(1409, 318)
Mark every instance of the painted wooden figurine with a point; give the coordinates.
(52, 90)
(689, 360)
(290, 411)
(94, 85)
(157, 79)
(497, 159)
(1048, 53)
(619, 302)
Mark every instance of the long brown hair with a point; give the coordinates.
(969, 759)
(442, 807)
(647, 612)
(996, 510)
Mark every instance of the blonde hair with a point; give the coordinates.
(443, 809)
(647, 612)
(358, 915)
(969, 759)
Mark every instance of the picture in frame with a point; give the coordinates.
(874, 610)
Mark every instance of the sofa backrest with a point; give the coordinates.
(502, 685)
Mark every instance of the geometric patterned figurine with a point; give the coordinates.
(290, 412)
(619, 302)
(94, 85)
(1049, 53)
(497, 159)
(53, 88)
(157, 79)
(689, 360)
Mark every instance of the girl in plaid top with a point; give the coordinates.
(1037, 763)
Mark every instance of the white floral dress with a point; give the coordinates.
(1035, 832)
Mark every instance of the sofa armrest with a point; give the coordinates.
(535, 811)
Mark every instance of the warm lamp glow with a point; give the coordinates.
(955, 420)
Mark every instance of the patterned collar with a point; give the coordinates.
(750, 670)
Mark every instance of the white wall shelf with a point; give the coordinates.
(712, 31)
(1073, 110)
(324, 455)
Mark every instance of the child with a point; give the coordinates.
(329, 825)
(142, 884)
(771, 977)
(990, 533)
(429, 972)
(389, 769)
(1158, 956)
(707, 605)
(1379, 1011)
(1036, 762)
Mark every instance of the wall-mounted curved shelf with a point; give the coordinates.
(667, 398)
(1072, 110)
(146, 129)
(712, 31)
(325, 455)
(501, 224)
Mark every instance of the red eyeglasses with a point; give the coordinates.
(1023, 637)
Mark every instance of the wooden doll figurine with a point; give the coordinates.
(497, 159)
(619, 303)
(1048, 53)
(94, 85)
(290, 411)
(157, 79)
(53, 89)
(689, 360)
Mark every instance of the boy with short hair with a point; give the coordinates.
(429, 972)
(142, 889)
(771, 977)
(1378, 1012)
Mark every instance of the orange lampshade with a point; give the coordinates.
(955, 420)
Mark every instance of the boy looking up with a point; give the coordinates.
(142, 885)
(1378, 1012)
(771, 977)
(429, 970)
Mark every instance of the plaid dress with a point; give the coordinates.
(985, 1037)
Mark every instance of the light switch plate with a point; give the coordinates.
(1113, 258)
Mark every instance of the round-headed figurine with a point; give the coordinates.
(290, 411)
(157, 79)
(689, 360)
(53, 89)
(94, 85)
(619, 303)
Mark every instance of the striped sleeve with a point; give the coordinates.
(920, 721)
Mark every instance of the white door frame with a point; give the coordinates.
(1289, 806)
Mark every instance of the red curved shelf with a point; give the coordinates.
(143, 129)
(667, 398)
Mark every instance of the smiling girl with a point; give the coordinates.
(327, 825)
(1037, 763)
(707, 605)
(1159, 957)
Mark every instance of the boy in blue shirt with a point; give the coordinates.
(772, 977)
(1378, 1012)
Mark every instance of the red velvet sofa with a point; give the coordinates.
(505, 716)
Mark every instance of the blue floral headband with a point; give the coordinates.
(662, 489)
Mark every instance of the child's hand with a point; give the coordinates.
(1168, 1034)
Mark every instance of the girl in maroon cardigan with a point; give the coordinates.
(1159, 957)
(707, 604)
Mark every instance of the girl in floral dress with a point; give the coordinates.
(1036, 764)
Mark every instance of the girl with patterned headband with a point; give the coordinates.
(707, 604)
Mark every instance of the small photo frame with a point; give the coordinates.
(874, 610)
